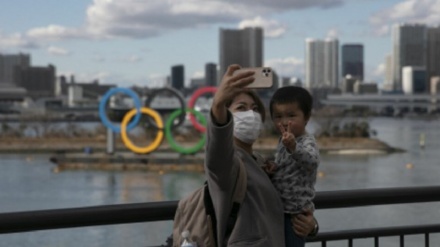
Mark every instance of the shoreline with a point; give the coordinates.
(70, 154)
(327, 145)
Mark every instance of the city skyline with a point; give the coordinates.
(137, 42)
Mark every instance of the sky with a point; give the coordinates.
(135, 42)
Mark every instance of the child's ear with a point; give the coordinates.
(307, 118)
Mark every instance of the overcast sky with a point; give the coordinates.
(131, 42)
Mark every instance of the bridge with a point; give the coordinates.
(429, 102)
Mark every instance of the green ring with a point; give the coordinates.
(173, 143)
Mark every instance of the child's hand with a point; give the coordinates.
(269, 167)
(287, 136)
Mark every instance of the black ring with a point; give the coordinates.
(175, 93)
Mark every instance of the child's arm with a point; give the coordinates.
(307, 151)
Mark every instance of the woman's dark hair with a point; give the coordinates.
(257, 100)
(293, 94)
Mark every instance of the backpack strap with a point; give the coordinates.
(209, 208)
(237, 198)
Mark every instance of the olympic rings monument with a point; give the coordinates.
(197, 119)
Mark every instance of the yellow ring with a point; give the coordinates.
(156, 142)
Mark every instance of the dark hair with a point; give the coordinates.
(257, 100)
(293, 94)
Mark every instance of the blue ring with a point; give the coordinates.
(106, 97)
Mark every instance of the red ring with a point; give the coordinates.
(199, 92)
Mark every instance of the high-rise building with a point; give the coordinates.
(9, 62)
(413, 79)
(178, 77)
(38, 81)
(331, 66)
(348, 84)
(353, 61)
(435, 85)
(314, 63)
(433, 54)
(196, 83)
(242, 46)
(211, 74)
(409, 49)
(322, 58)
(389, 70)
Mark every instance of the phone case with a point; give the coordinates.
(263, 77)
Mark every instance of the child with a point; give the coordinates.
(296, 157)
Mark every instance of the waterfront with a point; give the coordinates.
(28, 184)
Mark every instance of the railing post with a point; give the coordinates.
(350, 242)
(376, 241)
(402, 240)
(426, 239)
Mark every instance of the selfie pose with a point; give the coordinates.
(236, 121)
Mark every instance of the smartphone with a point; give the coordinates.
(263, 77)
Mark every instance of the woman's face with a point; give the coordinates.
(243, 102)
(247, 124)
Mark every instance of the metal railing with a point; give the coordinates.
(159, 211)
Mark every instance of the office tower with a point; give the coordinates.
(409, 49)
(414, 79)
(38, 81)
(389, 69)
(60, 86)
(196, 83)
(211, 74)
(178, 77)
(433, 54)
(348, 84)
(243, 47)
(314, 63)
(353, 61)
(8, 63)
(331, 66)
(435, 85)
(322, 60)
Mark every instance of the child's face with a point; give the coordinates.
(283, 113)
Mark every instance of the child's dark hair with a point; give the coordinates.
(293, 94)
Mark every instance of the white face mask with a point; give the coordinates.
(247, 126)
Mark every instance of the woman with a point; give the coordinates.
(235, 123)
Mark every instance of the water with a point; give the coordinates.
(28, 183)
